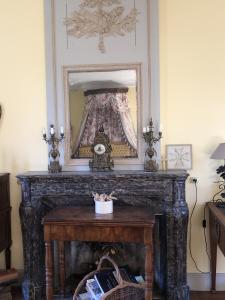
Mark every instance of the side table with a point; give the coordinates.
(125, 224)
(5, 219)
(216, 235)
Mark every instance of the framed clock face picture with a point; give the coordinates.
(179, 157)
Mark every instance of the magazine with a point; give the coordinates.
(84, 296)
(126, 275)
(139, 279)
(93, 289)
(106, 280)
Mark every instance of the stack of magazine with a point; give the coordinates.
(106, 280)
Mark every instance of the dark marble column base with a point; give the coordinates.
(180, 293)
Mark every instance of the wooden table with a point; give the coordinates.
(217, 237)
(126, 224)
(5, 219)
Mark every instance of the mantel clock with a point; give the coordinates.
(101, 149)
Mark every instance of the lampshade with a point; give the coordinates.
(219, 153)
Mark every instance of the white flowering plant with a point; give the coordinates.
(104, 197)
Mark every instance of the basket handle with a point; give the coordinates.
(106, 257)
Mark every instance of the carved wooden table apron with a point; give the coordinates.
(126, 224)
(217, 237)
(163, 192)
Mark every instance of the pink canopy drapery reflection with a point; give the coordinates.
(110, 108)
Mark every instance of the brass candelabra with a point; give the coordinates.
(150, 164)
(54, 165)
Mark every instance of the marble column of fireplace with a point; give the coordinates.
(163, 192)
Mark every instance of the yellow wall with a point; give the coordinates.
(77, 106)
(192, 87)
(22, 96)
(192, 68)
(132, 96)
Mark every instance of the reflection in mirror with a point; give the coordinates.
(107, 98)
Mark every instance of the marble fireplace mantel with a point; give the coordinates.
(163, 192)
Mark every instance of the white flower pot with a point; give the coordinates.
(103, 207)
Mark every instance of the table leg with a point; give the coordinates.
(8, 258)
(48, 270)
(148, 271)
(213, 249)
(62, 267)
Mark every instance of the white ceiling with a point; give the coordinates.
(106, 79)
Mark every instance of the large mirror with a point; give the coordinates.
(108, 96)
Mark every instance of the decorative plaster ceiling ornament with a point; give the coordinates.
(100, 22)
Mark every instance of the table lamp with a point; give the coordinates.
(219, 153)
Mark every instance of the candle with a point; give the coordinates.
(148, 128)
(160, 127)
(52, 131)
(44, 132)
(144, 130)
(61, 130)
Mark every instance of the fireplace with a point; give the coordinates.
(163, 192)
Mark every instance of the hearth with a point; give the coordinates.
(163, 192)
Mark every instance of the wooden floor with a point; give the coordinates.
(194, 295)
(207, 296)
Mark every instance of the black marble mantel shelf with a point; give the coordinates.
(163, 192)
(158, 174)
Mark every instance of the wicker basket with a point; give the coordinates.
(123, 291)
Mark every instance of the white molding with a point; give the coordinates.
(202, 282)
(154, 60)
(50, 65)
(55, 113)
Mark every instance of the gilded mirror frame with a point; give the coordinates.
(100, 68)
